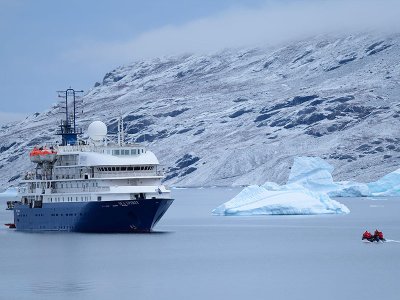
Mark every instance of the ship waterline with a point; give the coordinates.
(110, 216)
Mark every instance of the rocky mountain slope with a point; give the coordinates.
(240, 116)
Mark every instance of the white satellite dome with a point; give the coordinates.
(97, 130)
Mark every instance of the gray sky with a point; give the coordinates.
(50, 45)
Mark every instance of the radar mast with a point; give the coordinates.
(68, 129)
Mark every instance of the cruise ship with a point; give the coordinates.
(91, 185)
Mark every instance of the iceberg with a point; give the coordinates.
(10, 192)
(388, 185)
(272, 199)
(315, 174)
(307, 192)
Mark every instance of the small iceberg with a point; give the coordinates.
(272, 199)
(10, 192)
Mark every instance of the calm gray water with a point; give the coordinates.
(198, 256)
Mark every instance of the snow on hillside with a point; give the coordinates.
(239, 117)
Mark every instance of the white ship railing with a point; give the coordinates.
(102, 174)
(39, 191)
(94, 148)
(81, 190)
(127, 174)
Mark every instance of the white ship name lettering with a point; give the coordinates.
(127, 203)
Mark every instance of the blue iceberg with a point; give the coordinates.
(312, 173)
(307, 192)
(11, 194)
(388, 185)
(315, 174)
(293, 198)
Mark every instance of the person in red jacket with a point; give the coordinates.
(367, 236)
(378, 235)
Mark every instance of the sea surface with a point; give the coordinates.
(194, 255)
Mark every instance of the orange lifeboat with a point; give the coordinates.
(42, 154)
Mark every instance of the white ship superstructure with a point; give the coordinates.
(93, 173)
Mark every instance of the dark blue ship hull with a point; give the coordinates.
(103, 216)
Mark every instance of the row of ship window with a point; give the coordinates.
(61, 185)
(113, 169)
(126, 151)
(69, 199)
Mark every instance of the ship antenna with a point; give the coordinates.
(68, 129)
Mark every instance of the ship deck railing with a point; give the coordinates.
(81, 190)
(103, 174)
(116, 174)
(94, 148)
(39, 191)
